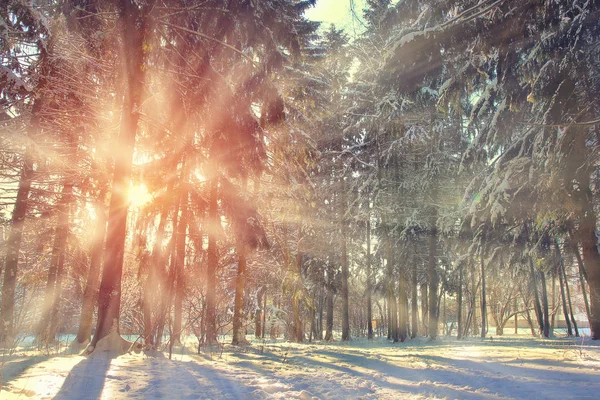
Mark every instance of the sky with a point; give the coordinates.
(337, 12)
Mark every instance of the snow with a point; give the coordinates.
(494, 368)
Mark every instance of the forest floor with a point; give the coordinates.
(511, 367)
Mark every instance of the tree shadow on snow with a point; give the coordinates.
(14, 369)
(192, 381)
(86, 380)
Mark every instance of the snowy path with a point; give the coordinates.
(499, 369)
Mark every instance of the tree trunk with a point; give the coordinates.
(403, 308)
(414, 298)
(582, 277)
(589, 243)
(259, 311)
(50, 315)
(134, 23)
(90, 294)
(329, 306)
(154, 283)
(569, 302)
(516, 316)
(566, 293)
(393, 333)
(537, 305)
(432, 275)
(546, 329)
(369, 281)
(264, 316)
(239, 336)
(344, 250)
(13, 244)
(213, 260)
(459, 300)
(483, 287)
(180, 245)
(299, 324)
(424, 307)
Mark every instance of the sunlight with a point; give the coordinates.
(139, 195)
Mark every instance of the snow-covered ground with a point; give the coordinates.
(498, 368)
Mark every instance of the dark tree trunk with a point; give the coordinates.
(180, 240)
(424, 307)
(516, 317)
(13, 244)
(537, 304)
(483, 287)
(569, 302)
(582, 278)
(239, 336)
(321, 304)
(414, 298)
(133, 20)
(49, 322)
(553, 306)
(344, 259)
(403, 308)
(459, 306)
(393, 332)
(563, 273)
(432, 275)
(264, 316)
(329, 305)
(298, 326)
(213, 260)
(369, 282)
(546, 329)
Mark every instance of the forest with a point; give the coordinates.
(227, 170)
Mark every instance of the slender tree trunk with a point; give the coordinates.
(211, 278)
(546, 329)
(553, 306)
(322, 299)
(459, 300)
(134, 23)
(344, 250)
(414, 298)
(432, 275)
(424, 307)
(298, 292)
(516, 316)
(403, 307)
(90, 294)
(180, 244)
(264, 316)
(582, 277)
(48, 324)
(567, 293)
(329, 306)
(569, 302)
(259, 311)
(239, 336)
(537, 305)
(483, 287)
(393, 332)
(13, 244)
(151, 286)
(369, 281)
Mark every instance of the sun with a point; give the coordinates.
(139, 195)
